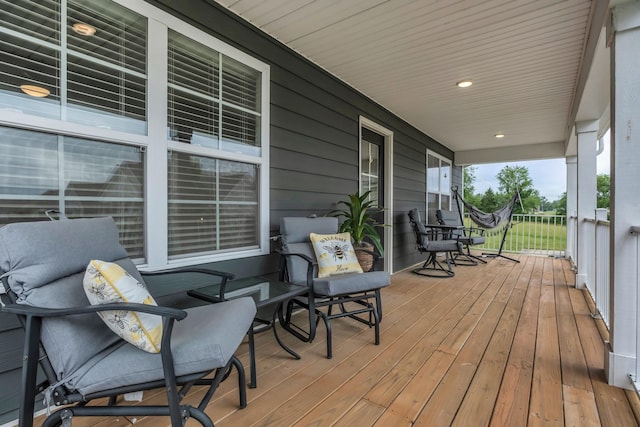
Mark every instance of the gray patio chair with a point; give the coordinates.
(468, 236)
(432, 239)
(43, 266)
(352, 295)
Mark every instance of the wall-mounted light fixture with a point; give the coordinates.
(33, 90)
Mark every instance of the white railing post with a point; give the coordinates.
(635, 231)
(601, 296)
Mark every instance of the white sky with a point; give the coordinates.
(549, 176)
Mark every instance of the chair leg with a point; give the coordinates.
(433, 268)
(242, 381)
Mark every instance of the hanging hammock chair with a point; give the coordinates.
(500, 218)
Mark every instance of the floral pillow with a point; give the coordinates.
(106, 282)
(335, 254)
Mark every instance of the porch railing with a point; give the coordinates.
(598, 269)
(532, 234)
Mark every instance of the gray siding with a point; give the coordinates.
(314, 160)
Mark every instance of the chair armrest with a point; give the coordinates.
(435, 234)
(311, 264)
(31, 311)
(303, 256)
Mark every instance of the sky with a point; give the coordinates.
(549, 176)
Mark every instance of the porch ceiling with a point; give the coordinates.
(528, 61)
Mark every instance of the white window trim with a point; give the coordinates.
(441, 158)
(157, 145)
(388, 184)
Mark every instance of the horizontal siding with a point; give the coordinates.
(314, 131)
(314, 160)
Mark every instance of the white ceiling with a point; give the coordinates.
(527, 60)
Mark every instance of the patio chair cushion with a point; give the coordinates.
(42, 275)
(192, 350)
(106, 282)
(335, 254)
(350, 283)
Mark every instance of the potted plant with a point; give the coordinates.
(360, 223)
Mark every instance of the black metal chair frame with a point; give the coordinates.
(464, 236)
(33, 355)
(315, 302)
(432, 267)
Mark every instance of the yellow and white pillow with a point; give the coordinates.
(335, 254)
(106, 282)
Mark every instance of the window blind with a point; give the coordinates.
(104, 73)
(213, 205)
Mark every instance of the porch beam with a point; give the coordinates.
(549, 150)
(625, 200)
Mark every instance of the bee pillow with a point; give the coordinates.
(107, 282)
(335, 254)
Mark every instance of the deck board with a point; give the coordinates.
(501, 344)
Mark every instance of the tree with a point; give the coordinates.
(560, 205)
(512, 178)
(488, 202)
(603, 187)
(468, 179)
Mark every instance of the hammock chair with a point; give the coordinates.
(492, 220)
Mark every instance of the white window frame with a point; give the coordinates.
(440, 192)
(388, 184)
(157, 145)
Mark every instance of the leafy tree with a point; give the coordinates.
(468, 179)
(512, 178)
(489, 201)
(560, 205)
(603, 187)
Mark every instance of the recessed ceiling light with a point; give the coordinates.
(499, 135)
(464, 83)
(37, 91)
(84, 29)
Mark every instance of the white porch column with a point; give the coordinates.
(572, 207)
(587, 132)
(625, 193)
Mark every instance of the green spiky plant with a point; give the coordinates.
(358, 220)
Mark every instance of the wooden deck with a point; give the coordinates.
(503, 344)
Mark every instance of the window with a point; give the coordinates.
(184, 171)
(96, 79)
(438, 185)
(81, 177)
(371, 173)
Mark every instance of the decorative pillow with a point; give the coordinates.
(335, 254)
(106, 282)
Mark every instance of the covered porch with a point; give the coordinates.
(504, 344)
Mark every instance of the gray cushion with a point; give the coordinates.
(205, 340)
(47, 261)
(37, 253)
(351, 283)
(295, 239)
(297, 229)
(295, 233)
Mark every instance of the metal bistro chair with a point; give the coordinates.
(344, 295)
(43, 265)
(427, 242)
(468, 236)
